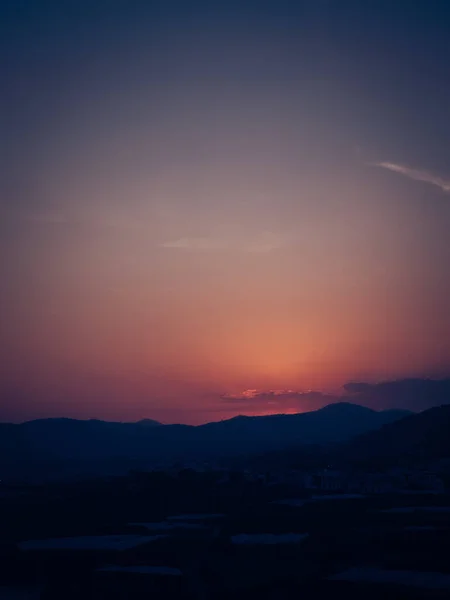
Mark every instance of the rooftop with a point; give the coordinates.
(168, 526)
(20, 592)
(420, 579)
(194, 517)
(412, 509)
(100, 542)
(337, 497)
(268, 538)
(142, 570)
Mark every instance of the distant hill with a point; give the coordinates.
(424, 435)
(333, 423)
(61, 446)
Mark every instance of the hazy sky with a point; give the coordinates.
(203, 198)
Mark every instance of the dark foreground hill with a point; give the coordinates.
(63, 446)
(418, 437)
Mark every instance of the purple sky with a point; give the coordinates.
(196, 203)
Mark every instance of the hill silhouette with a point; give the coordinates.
(423, 436)
(61, 446)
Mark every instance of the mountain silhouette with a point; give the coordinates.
(422, 436)
(333, 423)
(59, 444)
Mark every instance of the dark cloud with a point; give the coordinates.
(413, 394)
(357, 388)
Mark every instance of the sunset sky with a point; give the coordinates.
(207, 205)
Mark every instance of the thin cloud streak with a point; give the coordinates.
(200, 243)
(80, 218)
(47, 218)
(265, 242)
(415, 174)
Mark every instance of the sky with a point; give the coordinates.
(206, 206)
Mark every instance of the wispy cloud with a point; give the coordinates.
(196, 243)
(101, 219)
(263, 242)
(416, 174)
(47, 218)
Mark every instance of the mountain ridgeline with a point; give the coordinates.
(421, 437)
(68, 446)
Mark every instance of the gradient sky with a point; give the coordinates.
(203, 198)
